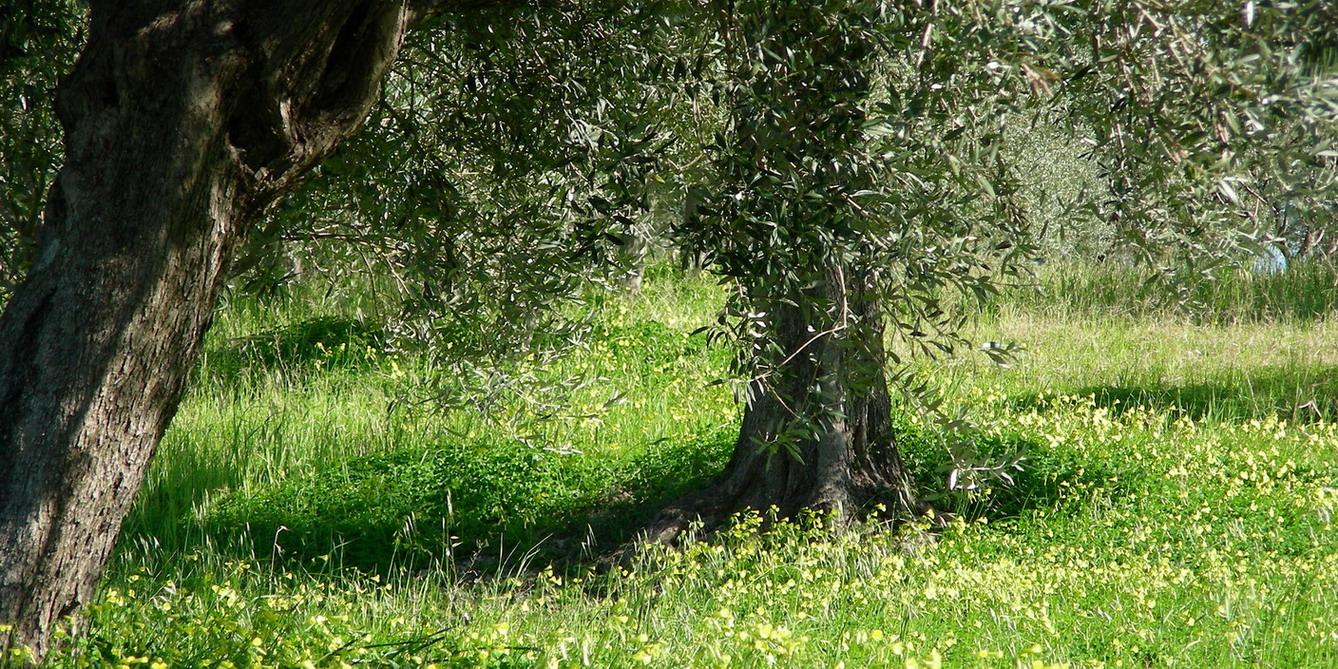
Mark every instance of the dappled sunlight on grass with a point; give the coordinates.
(1198, 544)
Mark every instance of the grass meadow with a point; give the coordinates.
(1175, 505)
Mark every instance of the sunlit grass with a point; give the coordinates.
(1283, 368)
(1175, 508)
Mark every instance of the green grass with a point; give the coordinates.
(1175, 506)
(1307, 291)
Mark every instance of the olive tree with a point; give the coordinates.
(865, 175)
(496, 170)
(183, 123)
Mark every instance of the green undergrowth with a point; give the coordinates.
(311, 437)
(452, 500)
(1173, 505)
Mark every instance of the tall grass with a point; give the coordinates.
(1306, 290)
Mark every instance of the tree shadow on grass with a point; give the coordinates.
(448, 500)
(1045, 479)
(485, 507)
(1296, 393)
(298, 352)
(316, 344)
(477, 504)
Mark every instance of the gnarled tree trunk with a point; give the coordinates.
(183, 122)
(817, 434)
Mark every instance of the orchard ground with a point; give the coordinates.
(1175, 505)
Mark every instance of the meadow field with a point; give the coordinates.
(1174, 504)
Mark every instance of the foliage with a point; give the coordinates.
(1056, 175)
(38, 42)
(888, 148)
(847, 189)
(1208, 120)
(511, 153)
(865, 171)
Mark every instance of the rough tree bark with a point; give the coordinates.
(183, 121)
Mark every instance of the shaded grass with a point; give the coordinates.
(416, 505)
(294, 432)
(318, 344)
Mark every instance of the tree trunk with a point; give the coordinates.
(182, 124)
(1311, 241)
(817, 433)
(633, 250)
